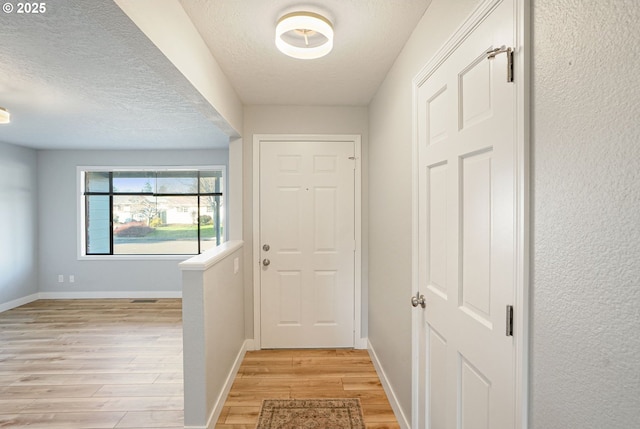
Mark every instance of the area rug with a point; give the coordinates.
(310, 414)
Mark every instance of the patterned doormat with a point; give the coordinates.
(311, 414)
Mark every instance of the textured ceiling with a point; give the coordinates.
(369, 35)
(83, 76)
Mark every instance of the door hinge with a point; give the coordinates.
(491, 54)
(353, 158)
(509, 330)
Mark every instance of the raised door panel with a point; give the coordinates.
(437, 229)
(288, 218)
(289, 298)
(325, 207)
(475, 396)
(438, 379)
(475, 210)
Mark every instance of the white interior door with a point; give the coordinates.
(307, 243)
(464, 361)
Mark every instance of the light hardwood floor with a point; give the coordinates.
(78, 364)
(305, 374)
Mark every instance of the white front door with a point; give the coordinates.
(307, 243)
(464, 360)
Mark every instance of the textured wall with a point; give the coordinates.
(83, 76)
(18, 224)
(200, 78)
(58, 199)
(586, 222)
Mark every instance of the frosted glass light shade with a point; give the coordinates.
(5, 116)
(304, 35)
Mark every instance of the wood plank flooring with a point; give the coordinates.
(79, 364)
(305, 374)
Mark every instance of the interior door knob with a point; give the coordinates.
(418, 300)
(266, 262)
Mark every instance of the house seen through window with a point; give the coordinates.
(145, 212)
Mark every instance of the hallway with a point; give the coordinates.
(305, 374)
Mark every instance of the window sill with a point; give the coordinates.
(134, 257)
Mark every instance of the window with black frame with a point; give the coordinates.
(167, 212)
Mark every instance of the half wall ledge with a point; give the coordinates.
(211, 257)
(213, 330)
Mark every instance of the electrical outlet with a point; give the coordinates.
(72, 278)
(60, 278)
(236, 266)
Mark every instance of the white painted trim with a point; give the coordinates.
(133, 257)
(222, 397)
(254, 260)
(89, 295)
(522, 75)
(362, 343)
(416, 341)
(18, 302)
(359, 341)
(110, 295)
(386, 385)
(234, 198)
(251, 344)
(522, 172)
(460, 35)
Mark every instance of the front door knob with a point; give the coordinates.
(266, 262)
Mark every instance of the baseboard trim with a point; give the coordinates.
(5, 306)
(362, 343)
(18, 302)
(217, 408)
(110, 295)
(251, 344)
(391, 395)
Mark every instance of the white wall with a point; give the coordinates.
(586, 215)
(298, 120)
(390, 196)
(58, 217)
(18, 225)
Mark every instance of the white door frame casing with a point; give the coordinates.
(522, 186)
(359, 342)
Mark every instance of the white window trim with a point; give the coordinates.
(81, 233)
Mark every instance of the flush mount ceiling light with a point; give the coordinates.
(304, 35)
(5, 116)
